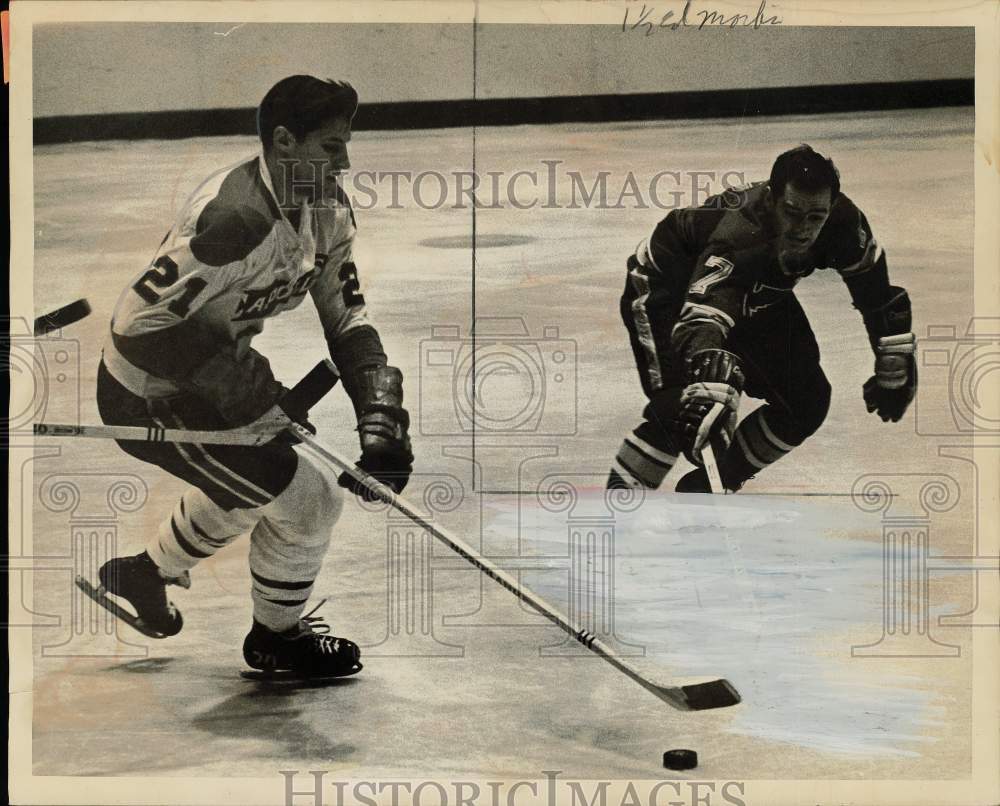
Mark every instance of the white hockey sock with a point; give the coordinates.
(289, 542)
(282, 578)
(197, 529)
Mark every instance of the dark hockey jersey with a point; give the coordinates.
(706, 269)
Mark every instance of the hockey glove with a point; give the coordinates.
(240, 389)
(383, 426)
(892, 388)
(709, 403)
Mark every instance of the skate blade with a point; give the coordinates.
(286, 677)
(100, 595)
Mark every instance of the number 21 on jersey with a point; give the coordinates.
(163, 274)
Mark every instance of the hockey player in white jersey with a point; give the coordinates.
(252, 241)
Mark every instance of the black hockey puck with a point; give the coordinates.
(680, 759)
(61, 317)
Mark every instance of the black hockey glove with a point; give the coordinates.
(709, 403)
(892, 388)
(240, 389)
(383, 426)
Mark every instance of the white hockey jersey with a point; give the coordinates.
(231, 260)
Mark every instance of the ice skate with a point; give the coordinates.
(695, 481)
(305, 653)
(616, 482)
(140, 582)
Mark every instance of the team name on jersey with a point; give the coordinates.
(258, 303)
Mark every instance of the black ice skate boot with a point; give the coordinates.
(696, 481)
(140, 582)
(616, 482)
(305, 652)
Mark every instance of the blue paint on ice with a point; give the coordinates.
(766, 592)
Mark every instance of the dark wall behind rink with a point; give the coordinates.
(95, 76)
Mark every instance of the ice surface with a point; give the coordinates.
(768, 590)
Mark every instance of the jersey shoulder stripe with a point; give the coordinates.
(227, 236)
(845, 217)
(846, 242)
(236, 219)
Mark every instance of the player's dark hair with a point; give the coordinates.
(302, 104)
(808, 170)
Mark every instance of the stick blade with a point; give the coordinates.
(61, 317)
(713, 694)
(698, 696)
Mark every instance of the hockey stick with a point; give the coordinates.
(712, 469)
(697, 697)
(299, 399)
(61, 317)
(153, 433)
(718, 693)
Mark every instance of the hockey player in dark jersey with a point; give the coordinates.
(711, 314)
(252, 241)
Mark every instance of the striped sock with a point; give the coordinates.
(754, 447)
(196, 529)
(639, 463)
(278, 604)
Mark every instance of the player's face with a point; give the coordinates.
(319, 157)
(799, 216)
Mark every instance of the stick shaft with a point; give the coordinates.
(141, 433)
(498, 575)
(299, 399)
(308, 391)
(712, 469)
